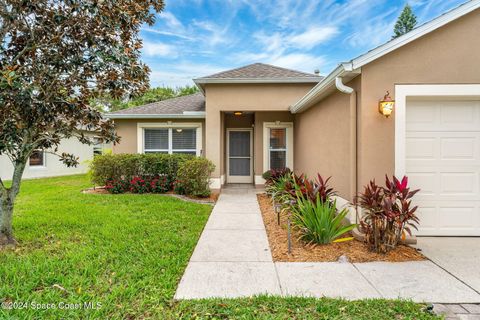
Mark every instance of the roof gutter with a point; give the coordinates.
(185, 115)
(310, 98)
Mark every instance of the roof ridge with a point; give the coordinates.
(287, 69)
(259, 64)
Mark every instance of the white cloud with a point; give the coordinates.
(167, 33)
(312, 37)
(153, 49)
(182, 74)
(171, 21)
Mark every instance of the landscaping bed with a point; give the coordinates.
(355, 251)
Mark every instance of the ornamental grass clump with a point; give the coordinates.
(319, 221)
(388, 214)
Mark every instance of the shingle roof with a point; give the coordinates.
(260, 71)
(193, 102)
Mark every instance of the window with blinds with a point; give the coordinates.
(184, 141)
(156, 140)
(170, 140)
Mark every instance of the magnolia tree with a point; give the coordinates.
(55, 57)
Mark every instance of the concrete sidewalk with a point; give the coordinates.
(233, 259)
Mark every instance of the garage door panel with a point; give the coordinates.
(455, 113)
(427, 182)
(421, 148)
(459, 183)
(459, 148)
(443, 160)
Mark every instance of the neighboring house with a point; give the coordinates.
(44, 164)
(258, 117)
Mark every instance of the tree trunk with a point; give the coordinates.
(6, 214)
(7, 201)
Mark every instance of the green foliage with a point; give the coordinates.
(319, 221)
(194, 177)
(406, 22)
(127, 166)
(108, 104)
(128, 252)
(56, 57)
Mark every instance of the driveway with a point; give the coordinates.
(458, 256)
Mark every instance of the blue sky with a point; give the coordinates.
(193, 38)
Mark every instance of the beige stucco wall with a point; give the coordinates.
(448, 55)
(243, 97)
(127, 130)
(323, 141)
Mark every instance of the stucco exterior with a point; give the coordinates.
(324, 141)
(449, 55)
(221, 98)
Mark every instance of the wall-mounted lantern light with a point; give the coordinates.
(238, 113)
(385, 106)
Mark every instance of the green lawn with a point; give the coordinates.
(127, 253)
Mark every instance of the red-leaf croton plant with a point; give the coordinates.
(387, 213)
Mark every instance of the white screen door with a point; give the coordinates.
(239, 156)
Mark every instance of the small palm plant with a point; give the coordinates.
(318, 221)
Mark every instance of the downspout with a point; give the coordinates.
(353, 137)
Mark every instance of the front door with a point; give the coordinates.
(239, 156)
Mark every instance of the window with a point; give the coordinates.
(37, 159)
(278, 145)
(170, 140)
(97, 146)
(184, 141)
(156, 141)
(278, 148)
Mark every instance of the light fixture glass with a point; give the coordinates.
(179, 130)
(238, 113)
(386, 105)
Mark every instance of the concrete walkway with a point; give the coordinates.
(233, 259)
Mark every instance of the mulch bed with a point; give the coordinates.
(355, 251)
(208, 200)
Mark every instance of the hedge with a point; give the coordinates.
(127, 166)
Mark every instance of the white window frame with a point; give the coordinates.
(266, 142)
(403, 92)
(170, 126)
(39, 166)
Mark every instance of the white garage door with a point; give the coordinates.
(443, 160)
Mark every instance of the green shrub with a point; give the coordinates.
(319, 222)
(127, 166)
(194, 177)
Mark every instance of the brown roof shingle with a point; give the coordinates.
(260, 71)
(192, 102)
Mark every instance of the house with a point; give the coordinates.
(257, 117)
(44, 164)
